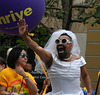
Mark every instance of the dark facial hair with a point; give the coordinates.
(62, 55)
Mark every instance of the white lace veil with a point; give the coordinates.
(51, 45)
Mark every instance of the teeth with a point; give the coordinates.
(61, 51)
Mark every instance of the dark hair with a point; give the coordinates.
(13, 56)
(66, 35)
(31, 58)
(3, 62)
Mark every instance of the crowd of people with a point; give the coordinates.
(61, 56)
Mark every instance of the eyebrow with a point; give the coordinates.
(66, 35)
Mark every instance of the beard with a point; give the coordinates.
(61, 52)
(62, 56)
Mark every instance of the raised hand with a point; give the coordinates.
(19, 70)
(22, 27)
(46, 82)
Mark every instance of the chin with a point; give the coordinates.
(23, 65)
(61, 56)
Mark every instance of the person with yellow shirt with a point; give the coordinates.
(14, 80)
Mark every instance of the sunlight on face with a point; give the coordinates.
(22, 60)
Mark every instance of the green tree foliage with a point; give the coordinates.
(41, 35)
(6, 41)
(93, 13)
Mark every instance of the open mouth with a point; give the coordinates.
(60, 49)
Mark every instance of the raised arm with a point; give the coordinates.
(45, 56)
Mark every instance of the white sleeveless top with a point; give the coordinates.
(65, 77)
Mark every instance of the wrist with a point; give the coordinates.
(26, 77)
(24, 36)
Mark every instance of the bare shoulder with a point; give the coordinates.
(75, 58)
(78, 57)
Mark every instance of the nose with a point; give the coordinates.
(25, 58)
(60, 42)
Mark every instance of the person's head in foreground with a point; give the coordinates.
(63, 44)
(14, 80)
(17, 56)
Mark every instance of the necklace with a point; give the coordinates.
(67, 69)
(62, 67)
(68, 58)
(69, 63)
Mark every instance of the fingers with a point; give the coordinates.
(46, 82)
(22, 27)
(17, 24)
(22, 22)
(18, 67)
(27, 28)
(19, 70)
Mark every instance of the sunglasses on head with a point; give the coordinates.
(23, 55)
(64, 41)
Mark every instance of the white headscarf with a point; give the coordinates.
(51, 45)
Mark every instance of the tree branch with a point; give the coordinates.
(75, 20)
(85, 5)
(53, 8)
(80, 12)
(48, 29)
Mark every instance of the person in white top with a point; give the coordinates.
(61, 56)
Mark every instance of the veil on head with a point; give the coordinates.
(51, 45)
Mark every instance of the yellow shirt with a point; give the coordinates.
(13, 81)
